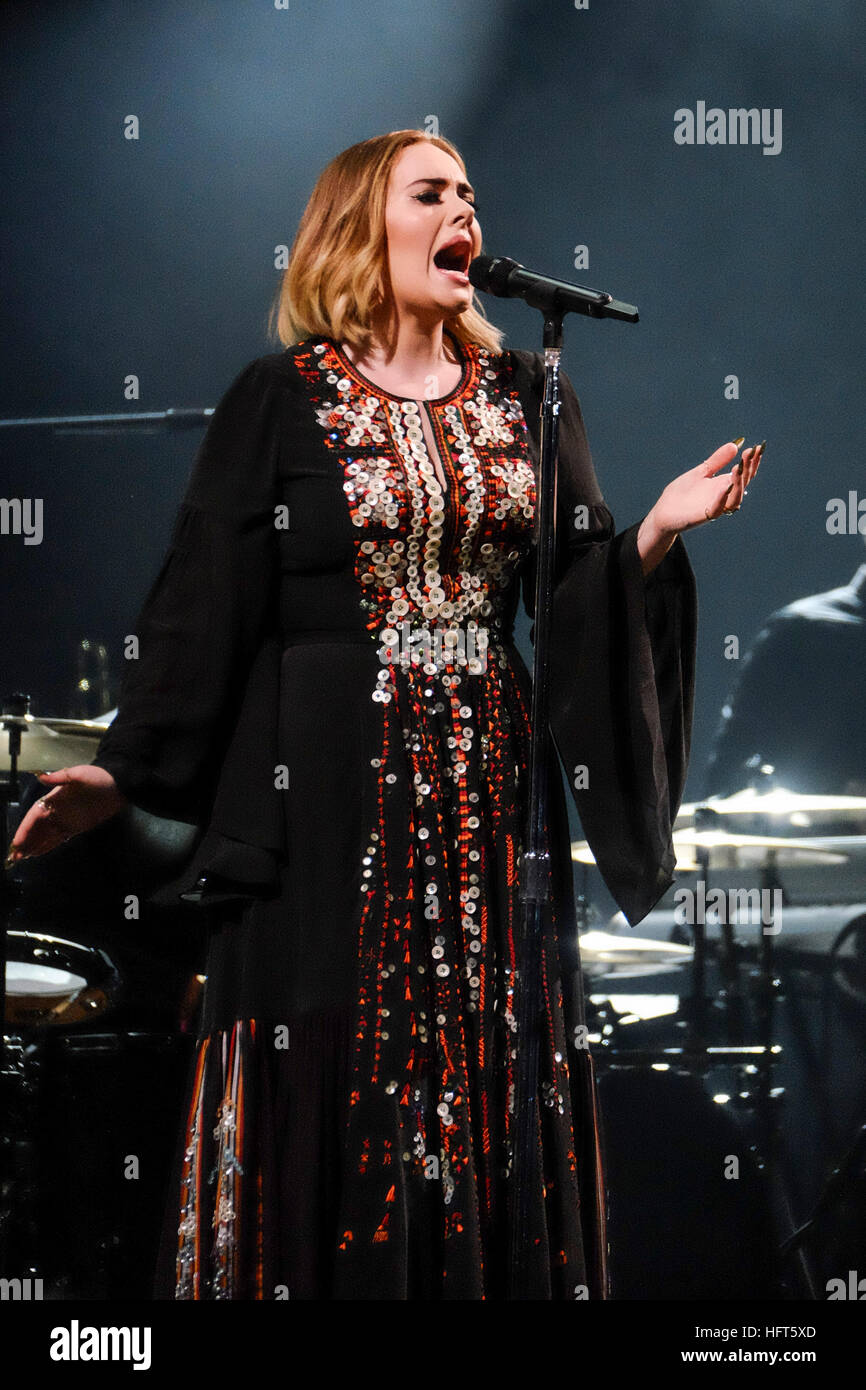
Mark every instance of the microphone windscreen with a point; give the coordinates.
(491, 274)
(479, 271)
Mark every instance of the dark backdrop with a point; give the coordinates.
(155, 257)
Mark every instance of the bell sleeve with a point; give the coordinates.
(204, 616)
(622, 671)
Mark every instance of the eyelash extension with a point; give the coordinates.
(432, 193)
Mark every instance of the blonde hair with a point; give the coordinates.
(336, 272)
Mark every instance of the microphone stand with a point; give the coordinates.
(554, 298)
(534, 863)
(535, 890)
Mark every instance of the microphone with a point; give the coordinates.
(509, 279)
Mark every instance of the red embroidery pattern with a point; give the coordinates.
(428, 1145)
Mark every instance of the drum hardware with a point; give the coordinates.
(700, 844)
(694, 1105)
(747, 1085)
(51, 981)
(60, 983)
(66, 1211)
(43, 743)
(714, 844)
(10, 791)
(69, 1096)
(149, 849)
(850, 1172)
(633, 954)
(704, 843)
(20, 1063)
(811, 849)
(843, 1187)
(33, 744)
(798, 807)
(856, 929)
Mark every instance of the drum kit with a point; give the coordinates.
(753, 833)
(691, 993)
(98, 1018)
(695, 990)
(49, 980)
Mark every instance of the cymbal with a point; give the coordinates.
(606, 948)
(807, 851)
(47, 743)
(781, 802)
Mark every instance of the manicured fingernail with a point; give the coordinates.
(739, 441)
(739, 467)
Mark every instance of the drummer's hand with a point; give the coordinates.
(699, 495)
(79, 798)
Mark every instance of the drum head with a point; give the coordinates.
(51, 981)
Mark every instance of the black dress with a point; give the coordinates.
(327, 684)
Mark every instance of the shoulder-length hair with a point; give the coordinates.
(337, 267)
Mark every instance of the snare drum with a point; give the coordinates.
(52, 981)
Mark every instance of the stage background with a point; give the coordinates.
(155, 256)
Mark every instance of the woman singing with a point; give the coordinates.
(326, 683)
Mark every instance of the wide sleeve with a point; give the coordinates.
(204, 615)
(622, 670)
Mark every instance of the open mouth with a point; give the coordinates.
(453, 260)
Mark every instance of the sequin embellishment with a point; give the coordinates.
(435, 1046)
(427, 1157)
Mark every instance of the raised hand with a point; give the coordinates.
(700, 495)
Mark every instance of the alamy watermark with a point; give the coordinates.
(77, 1343)
(27, 1290)
(738, 125)
(846, 516)
(745, 906)
(22, 516)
